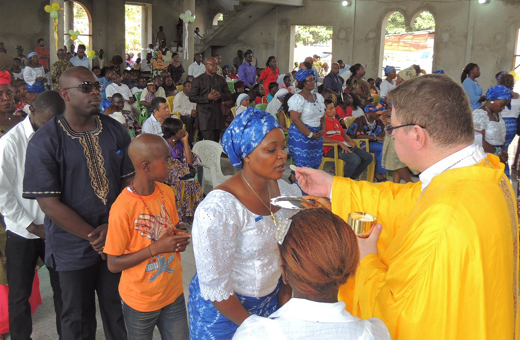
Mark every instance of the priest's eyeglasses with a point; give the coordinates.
(390, 130)
(87, 86)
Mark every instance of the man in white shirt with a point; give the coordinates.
(122, 89)
(146, 65)
(23, 217)
(161, 111)
(187, 109)
(81, 59)
(197, 68)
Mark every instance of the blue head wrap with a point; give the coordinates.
(375, 107)
(245, 133)
(301, 75)
(389, 69)
(500, 75)
(32, 54)
(499, 92)
(438, 72)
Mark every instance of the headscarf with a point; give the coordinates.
(275, 105)
(500, 75)
(32, 54)
(119, 117)
(5, 78)
(438, 72)
(408, 73)
(375, 107)
(239, 108)
(389, 69)
(245, 133)
(499, 92)
(301, 75)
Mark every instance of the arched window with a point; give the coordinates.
(77, 18)
(217, 18)
(405, 45)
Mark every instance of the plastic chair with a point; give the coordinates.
(209, 153)
(371, 169)
(231, 85)
(233, 111)
(338, 163)
(262, 106)
(180, 87)
(143, 109)
(170, 102)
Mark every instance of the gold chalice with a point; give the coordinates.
(361, 222)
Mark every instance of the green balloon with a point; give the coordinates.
(54, 14)
(182, 16)
(192, 19)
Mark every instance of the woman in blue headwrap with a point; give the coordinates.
(510, 114)
(34, 74)
(389, 83)
(489, 123)
(308, 122)
(238, 264)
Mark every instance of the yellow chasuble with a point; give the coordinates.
(447, 266)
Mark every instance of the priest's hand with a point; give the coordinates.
(314, 182)
(368, 242)
(319, 202)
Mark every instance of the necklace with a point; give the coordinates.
(265, 205)
(495, 115)
(370, 125)
(154, 235)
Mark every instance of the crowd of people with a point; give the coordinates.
(125, 130)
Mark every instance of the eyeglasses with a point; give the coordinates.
(87, 86)
(389, 129)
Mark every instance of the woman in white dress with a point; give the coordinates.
(238, 265)
(315, 264)
(389, 83)
(489, 123)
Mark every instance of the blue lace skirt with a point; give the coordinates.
(305, 151)
(206, 322)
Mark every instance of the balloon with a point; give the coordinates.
(514, 74)
(188, 13)
(192, 19)
(54, 14)
(48, 8)
(182, 16)
(91, 56)
(55, 6)
(71, 32)
(73, 37)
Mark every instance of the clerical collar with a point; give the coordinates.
(468, 156)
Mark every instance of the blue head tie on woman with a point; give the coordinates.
(245, 133)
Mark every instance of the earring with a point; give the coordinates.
(492, 102)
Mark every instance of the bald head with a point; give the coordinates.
(211, 65)
(75, 75)
(147, 148)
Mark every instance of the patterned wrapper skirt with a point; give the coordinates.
(206, 322)
(305, 151)
(37, 87)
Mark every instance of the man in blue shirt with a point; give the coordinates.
(247, 71)
(81, 58)
(333, 81)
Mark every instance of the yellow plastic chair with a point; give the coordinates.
(233, 112)
(170, 102)
(180, 87)
(176, 115)
(338, 163)
(371, 169)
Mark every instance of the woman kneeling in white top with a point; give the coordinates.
(318, 253)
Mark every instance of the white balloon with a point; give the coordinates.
(188, 13)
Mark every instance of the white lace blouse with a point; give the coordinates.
(311, 112)
(236, 250)
(495, 131)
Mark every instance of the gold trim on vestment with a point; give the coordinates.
(92, 151)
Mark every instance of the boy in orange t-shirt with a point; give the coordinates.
(144, 243)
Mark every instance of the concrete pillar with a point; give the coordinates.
(188, 4)
(68, 12)
(58, 37)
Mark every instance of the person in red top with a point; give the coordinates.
(356, 160)
(270, 73)
(43, 54)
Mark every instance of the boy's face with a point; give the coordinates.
(141, 83)
(330, 111)
(158, 169)
(274, 90)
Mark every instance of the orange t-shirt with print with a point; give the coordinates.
(156, 282)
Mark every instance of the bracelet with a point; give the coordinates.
(150, 249)
(310, 135)
(498, 151)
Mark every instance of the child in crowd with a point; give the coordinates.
(356, 159)
(19, 96)
(30, 96)
(240, 88)
(257, 94)
(144, 241)
(287, 84)
(273, 88)
(150, 96)
(233, 73)
(242, 103)
(97, 71)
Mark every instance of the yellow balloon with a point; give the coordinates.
(48, 8)
(55, 6)
(73, 37)
(515, 75)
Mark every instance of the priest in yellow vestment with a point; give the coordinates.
(444, 265)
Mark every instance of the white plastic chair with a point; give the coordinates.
(209, 153)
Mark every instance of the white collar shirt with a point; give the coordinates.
(196, 69)
(18, 212)
(304, 319)
(76, 61)
(152, 125)
(122, 89)
(182, 104)
(468, 156)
